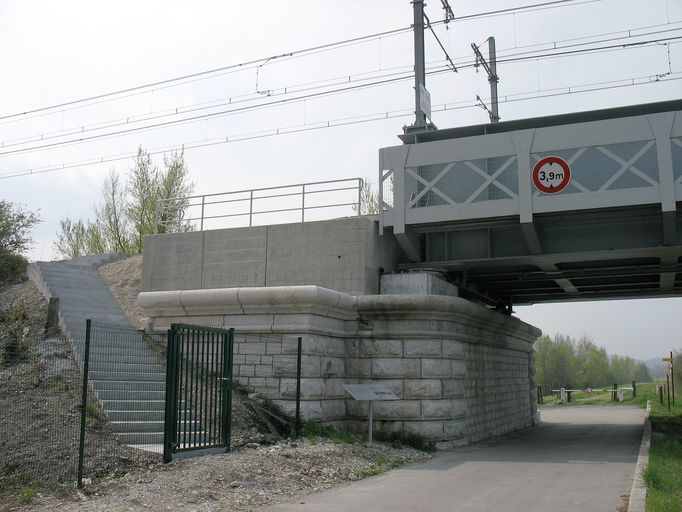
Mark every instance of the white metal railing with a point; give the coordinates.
(249, 205)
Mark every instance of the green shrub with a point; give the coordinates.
(401, 439)
(314, 430)
(12, 268)
(13, 324)
(27, 494)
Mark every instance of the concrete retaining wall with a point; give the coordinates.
(462, 372)
(342, 254)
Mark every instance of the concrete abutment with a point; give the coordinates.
(462, 372)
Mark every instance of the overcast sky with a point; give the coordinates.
(56, 52)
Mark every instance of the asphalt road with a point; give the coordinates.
(580, 459)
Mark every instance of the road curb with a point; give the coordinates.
(637, 501)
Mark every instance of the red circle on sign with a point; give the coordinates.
(547, 178)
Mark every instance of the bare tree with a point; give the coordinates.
(152, 201)
(111, 219)
(369, 200)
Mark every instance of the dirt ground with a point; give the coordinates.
(245, 479)
(124, 278)
(39, 419)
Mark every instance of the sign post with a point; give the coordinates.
(370, 393)
(669, 360)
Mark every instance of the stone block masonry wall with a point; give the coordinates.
(461, 371)
(267, 363)
(428, 375)
(498, 391)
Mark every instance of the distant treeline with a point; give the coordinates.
(564, 362)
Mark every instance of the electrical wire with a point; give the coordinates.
(331, 124)
(202, 117)
(216, 114)
(299, 88)
(256, 62)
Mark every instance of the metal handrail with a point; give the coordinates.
(251, 198)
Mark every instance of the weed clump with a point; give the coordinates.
(14, 328)
(402, 439)
(314, 430)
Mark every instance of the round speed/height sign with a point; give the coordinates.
(551, 175)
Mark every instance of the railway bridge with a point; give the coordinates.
(472, 221)
(569, 207)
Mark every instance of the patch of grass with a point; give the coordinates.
(365, 472)
(90, 414)
(380, 465)
(27, 494)
(314, 430)
(664, 473)
(58, 383)
(400, 439)
(664, 476)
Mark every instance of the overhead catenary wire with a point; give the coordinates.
(131, 119)
(342, 122)
(186, 120)
(256, 62)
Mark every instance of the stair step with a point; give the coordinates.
(133, 405)
(135, 416)
(133, 438)
(109, 365)
(128, 358)
(126, 394)
(123, 416)
(134, 377)
(125, 427)
(123, 385)
(140, 437)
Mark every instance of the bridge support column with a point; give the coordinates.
(662, 125)
(523, 141)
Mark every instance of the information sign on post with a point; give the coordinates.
(370, 393)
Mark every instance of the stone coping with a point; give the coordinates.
(364, 315)
(249, 301)
(447, 310)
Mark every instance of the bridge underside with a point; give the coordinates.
(470, 202)
(588, 255)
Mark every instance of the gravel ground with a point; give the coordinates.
(260, 470)
(246, 479)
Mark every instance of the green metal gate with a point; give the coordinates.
(198, 389)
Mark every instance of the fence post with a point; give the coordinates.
(360, 184)
(672, 377)
(298, 388)
(84, 402)
(230, 365)
(667, 389)
(634, 389)
(303, 204)
(251, 208)
(614, 391)
(52, 323)
(170, 412)
(203, 203)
